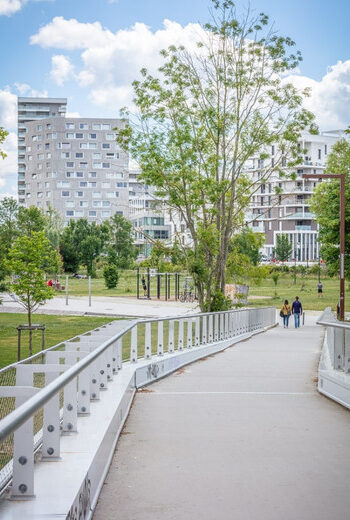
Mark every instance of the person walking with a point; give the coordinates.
(144, 285)
(285, 313)
(320, 290)
(297, 310)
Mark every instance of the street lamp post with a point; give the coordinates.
(341, 177)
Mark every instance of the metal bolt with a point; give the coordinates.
(69, 407)
(108, 366)
(114, 359)
(83, 392)
(102, 385)
(83, 408)
(50, 428)
(94, 381)
(23, 488)
(102, 372)
(22, 460)
(50, 451)
(70, 426)
(93, 396)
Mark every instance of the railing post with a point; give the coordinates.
(133, 353)
(171, 337)
(148, 345)
(120, 353)
(181, 335)
(103, 370)
(189, 333)
(222, 326)
(347, 351)
(160, 348)
(216, 327)
(204, 330)
(70, 407)
(338, 348)
(50, 449)
(197, 333)
(211, 335)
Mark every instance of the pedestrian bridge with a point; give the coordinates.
(242, 434)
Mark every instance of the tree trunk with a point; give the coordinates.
(30, 332)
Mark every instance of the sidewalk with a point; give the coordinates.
(242, 435)
(106, 306)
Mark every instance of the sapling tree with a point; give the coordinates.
(207, 112)
(28, 260)
(283, 249)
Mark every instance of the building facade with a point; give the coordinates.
(281, 205)
(74, 166)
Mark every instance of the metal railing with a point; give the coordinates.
(52, 389)
(337, 340)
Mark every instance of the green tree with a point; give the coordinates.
(3, 135)
(53, 227)
(8, 230)
(121, 243)
(69, 249)
(283, 249)
(248, 243)
(28, 259)
(206, 113)
(111, 275)
(30, 220)
(325, 205)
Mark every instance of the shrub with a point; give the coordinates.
(111, 276)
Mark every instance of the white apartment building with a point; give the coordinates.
(73, 165)
(289, 212)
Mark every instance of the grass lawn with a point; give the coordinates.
(305, 288)
(58, 328)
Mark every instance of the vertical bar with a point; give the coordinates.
(133, 353)
(158, 286)
(169, 286)
(89, 291)
(102, 360)
(181, 334)
(114, 358)
(43, 339)
(347, 351)
(171, 336)
(138, 283)
(148, 351)
(197, 333)
(222, 326)
(120, 353)
(204, 330)
(148, 283)
(70, 411)
(189, 333)
(50, 449)
(216, 327)
(160, 348)
(18, 344)
(166, 286)
(211, 336)
(67, 289)
(83, 392)
(342, 246)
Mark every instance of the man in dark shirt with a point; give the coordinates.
(297, 310)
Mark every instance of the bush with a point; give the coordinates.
(111, 276)
(219, 302)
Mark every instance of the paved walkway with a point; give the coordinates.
(242, 435)
(106, 306)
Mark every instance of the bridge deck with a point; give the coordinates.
(241, 435)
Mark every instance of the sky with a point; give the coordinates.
(90, 51)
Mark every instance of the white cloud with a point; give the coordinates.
(8, 109)
(26, 90)
(8, 7)
(8, 166)
(62, 69)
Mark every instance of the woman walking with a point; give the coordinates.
(286, 311)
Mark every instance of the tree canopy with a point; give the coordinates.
(325, 205)
(207, 112)
(283, 249)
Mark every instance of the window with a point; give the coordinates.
(88, 146)
(106, 145)
(105, 126)
(79, 194)
(79, 213)
(47, 146)
(92, 184)
(30, 157)
(69, 135)
(65, 155)
(39, 194)
(92, 213)
(78, 135)
(48, 165)
(70, 213)
(48, 126)
(48, 155)
(51, 136)
(319, 153)
(39, 166)
(97, 165)
(110, 137)
(325, 149)
(106, 213)
(106, 185)
(47, 185)
(65, 193)
(284, 161)
(106, 165)
(83, 126)
(70, 126)
(70, 164)
(79, 174)
(92, 175)
(63, 184)
(69, 204)
(272, 150)
(64, 146)
(38, 147)
(97, 203)
(69, 175)
(106, 203)
(96, 194)
(79, 155)
(83, 203)
(96, 155)
(272, 162)
(110, 155)
(262, 188)
(261, 201)
(92, 136)
(83, 184)
(39, 128)
(96, 126)
(83, 165)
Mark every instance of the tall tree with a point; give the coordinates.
(3, 135)
(202, 118)
(325, 205)
(122, 251)
(283, 249)
(28, 259)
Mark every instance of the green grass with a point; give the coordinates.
(58, 328)
(305, 288)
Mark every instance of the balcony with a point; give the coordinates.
(303, 228)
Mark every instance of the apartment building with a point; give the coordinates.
(288, 210)
(73, 165)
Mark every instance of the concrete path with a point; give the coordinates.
(106, 306)
(242, 435)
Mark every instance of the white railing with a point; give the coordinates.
(52, 391)
(334, 367)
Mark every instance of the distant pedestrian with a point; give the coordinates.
(320, 290)
(297, 310)
(144, 285)
(49, 283)
(286, 311)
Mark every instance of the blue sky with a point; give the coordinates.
(66, 57)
